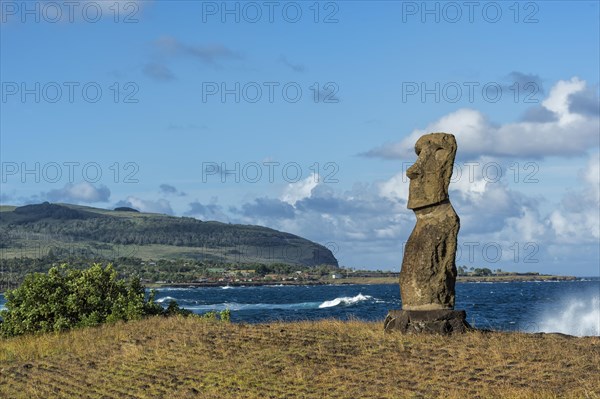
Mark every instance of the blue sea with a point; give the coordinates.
(570, 307)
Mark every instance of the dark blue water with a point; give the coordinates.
(571, 307)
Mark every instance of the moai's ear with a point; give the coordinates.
(441, 154)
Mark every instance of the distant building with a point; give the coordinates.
(336, 276)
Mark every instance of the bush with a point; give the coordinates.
(482, 272)
(66, 298)
(223, 315)
(173, 309)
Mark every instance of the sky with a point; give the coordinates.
(302, 116)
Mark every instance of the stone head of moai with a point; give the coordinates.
(430, 174)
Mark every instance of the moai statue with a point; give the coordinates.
(428, 272)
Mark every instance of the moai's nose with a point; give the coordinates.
(414, 171)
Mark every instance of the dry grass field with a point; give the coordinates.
(193, 358)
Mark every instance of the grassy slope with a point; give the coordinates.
(36, 245)
(187, 358)
(144, 252)
(109, 212)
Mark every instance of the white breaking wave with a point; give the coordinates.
(580, 316)
(234, 306)
(166, 298)
(346, 300)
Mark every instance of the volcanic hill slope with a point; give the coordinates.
(35, 230)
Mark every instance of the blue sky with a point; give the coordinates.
(328, 97)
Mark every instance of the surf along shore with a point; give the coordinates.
(362, 281)
(194, 358)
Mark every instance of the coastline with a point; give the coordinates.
(364, 281)
(515, 278)
(357, 281)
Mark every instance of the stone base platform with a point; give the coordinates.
(439, 321)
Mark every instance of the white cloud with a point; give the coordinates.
(167, 189)
(569, 134)
(396, 188)
(577, 220)
(527, 227)
(591, 176)
(80, 192)
(294, 192)
(559, 99)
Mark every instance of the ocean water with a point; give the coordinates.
(570, 307)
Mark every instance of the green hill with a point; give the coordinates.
(35, 231)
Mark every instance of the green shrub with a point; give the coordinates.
(66, 298)
(173, 309)
(225, 315)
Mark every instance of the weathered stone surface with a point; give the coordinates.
(428, 272)
(441, 321)
(430, 174)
